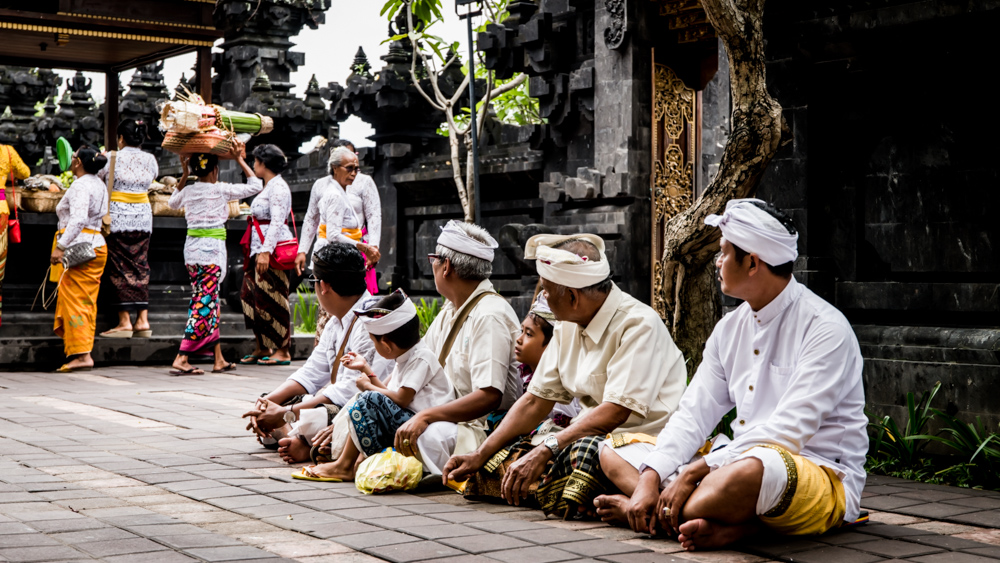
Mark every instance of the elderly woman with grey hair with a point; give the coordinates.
(345, 207)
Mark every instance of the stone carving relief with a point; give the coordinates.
(614, 34)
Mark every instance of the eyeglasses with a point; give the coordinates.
(312, 280)
(432, 258)
(351, 169)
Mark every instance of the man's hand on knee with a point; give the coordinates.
(642, 506)
(408, 434)
(523, 473)
(675, 496)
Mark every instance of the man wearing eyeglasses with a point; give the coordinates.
(338, 280)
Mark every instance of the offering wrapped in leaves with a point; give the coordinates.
(191, 126)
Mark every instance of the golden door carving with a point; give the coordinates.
(674, 157)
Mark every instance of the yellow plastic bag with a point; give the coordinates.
(388, 471)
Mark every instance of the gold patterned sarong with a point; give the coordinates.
(76, 305)
(813, 501)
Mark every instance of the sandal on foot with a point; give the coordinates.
(269, 362)
(117, 334)
(143, 334)
(250, 360)
(192, 371)
(306, 474)
(230, 367)
(67, 369)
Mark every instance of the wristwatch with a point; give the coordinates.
(552, 443)
(289, 416)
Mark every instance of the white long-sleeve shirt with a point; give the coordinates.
(793, 372)
(273, 204)
(135, 171)
(315, 373)
(82, 207)
(310, 224)
(206, 206)
(356, 207)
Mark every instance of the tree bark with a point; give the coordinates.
(693, 308)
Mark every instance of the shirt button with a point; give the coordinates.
(742, 422)
(751, 387)
(756, 352)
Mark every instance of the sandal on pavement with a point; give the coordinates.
(230, 367)
(269, 362)
(143, 334)
(306, 474)
(250, 360)
(192, 371)
(117, 334)
(67, 369)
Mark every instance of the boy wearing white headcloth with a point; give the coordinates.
(417, 383)
(611, 352)
(790, 364)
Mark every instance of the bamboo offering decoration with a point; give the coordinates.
(191, 126)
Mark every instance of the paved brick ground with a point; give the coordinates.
(129, 464)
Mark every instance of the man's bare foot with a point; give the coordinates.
(293, 450)
(611, 509)
(334, 471)
(700, 534)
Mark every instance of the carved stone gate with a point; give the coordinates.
(675, 118)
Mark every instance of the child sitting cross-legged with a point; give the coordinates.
(418, 382)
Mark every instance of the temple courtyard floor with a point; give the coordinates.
(130, 464)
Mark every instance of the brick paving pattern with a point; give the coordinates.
(128, 464)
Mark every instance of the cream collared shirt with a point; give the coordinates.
(793, 372)
(483, 353)
(624, 356)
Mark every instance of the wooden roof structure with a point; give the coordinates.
(108, 36)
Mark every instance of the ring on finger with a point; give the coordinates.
(666, 511)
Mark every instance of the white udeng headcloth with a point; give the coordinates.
(386, 322)
(541, 308)
(566, 268)
(755, 230)
(453, 237)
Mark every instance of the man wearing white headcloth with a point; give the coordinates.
(790, 365)
(473, 337)
(611, 352)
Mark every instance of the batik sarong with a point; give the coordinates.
(265, 305)
(4, 215)
(76, 304)
(374, 421)
(573, 479)
(202, 330)
(128, 253)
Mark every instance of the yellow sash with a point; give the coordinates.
(57, 269)
(129, 197)
(4, 210)
(322, 232)
(353, 234)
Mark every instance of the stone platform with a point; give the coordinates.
(129, 464)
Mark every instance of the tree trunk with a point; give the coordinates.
(454, 140)
(757, 130)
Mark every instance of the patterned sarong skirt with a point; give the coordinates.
(202, 330)
(128, 253)
(265, 305)
(374, 421)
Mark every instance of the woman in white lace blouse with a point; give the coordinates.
(80, 213)
(265, 289)
(206, 208)
(131, 228)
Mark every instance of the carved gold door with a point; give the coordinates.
(674, 162)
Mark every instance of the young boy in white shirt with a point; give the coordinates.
(418, 382)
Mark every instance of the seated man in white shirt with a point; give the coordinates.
(611, 352)
(339, 278)
(790, 364)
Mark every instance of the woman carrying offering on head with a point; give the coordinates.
(80, 213)
(206, 208)
(265, 289)
(11, 166)
(131, 228)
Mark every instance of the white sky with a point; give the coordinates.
(329, 53)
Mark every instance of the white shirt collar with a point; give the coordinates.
(777, 306)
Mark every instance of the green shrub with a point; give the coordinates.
(427, 312)
(306, 310)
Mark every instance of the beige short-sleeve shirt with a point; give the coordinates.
(483, 353)
(624, 356)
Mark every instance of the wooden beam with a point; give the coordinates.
(152, 58)
(111, 111)
(204, 72)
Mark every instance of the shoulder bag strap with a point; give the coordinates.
(340, 352)
(111, 184)
(459, 323)
(256, 224)
(13, 188)
(292, 213)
